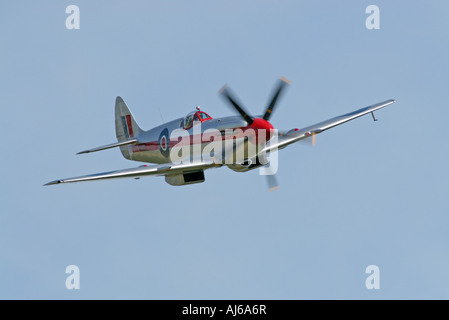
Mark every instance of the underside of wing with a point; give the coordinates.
(285, 139)
(167, 169)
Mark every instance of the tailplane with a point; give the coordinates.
(126, 129)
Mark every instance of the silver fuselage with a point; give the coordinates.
(153, 146)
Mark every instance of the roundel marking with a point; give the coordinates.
(164, 144)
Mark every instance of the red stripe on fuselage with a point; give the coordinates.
(194, 140)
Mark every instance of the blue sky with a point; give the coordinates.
(367, 194)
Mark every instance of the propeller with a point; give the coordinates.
(280, 88)
(310, 137)
(272, 182)
(310, 140)
(257, 122)
(225, 92)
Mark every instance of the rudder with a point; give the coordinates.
(126, 127)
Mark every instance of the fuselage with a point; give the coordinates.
(231, 136)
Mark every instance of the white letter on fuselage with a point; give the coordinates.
(213, 146)
(183, 146)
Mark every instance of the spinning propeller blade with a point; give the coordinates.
(224, 92)
(283, 82)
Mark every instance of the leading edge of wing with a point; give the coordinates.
(289, 138)
(153, 170)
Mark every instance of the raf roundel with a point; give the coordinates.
(164, 143)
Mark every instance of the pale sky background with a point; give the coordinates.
(368, 193)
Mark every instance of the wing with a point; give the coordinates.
(143, 171)
(293, 136)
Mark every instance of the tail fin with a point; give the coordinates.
(126, 128)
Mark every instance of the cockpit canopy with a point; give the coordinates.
(194, 118)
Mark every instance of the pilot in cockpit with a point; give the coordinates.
(188, 121)
(194, 117)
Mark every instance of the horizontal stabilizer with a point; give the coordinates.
(109, 146)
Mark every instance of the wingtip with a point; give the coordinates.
(119, 100)
(52, 183)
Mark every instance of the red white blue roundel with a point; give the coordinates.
(164, 143)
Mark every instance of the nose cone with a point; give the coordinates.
(261, 126)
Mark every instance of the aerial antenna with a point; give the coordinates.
(163, 121)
